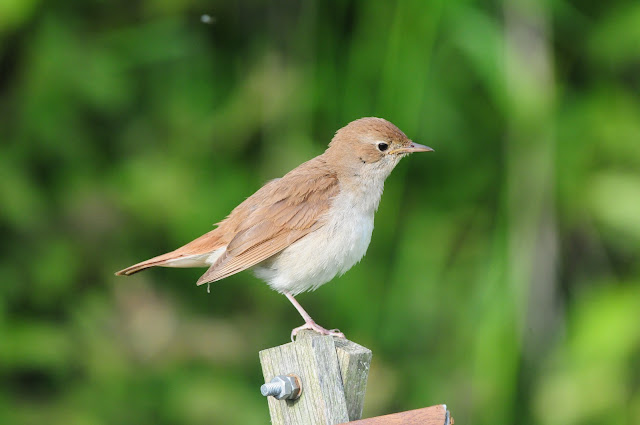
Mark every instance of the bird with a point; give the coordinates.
(299, 231)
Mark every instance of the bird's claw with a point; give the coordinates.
(317, 328)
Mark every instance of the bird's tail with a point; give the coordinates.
(156, 261)
(193, 254)
(177, 258)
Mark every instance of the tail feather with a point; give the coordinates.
(155, 261)
(170, 259)
(181, 257)
(136, 268)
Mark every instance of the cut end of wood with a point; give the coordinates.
(308, 333)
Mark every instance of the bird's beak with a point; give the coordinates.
(413, 147)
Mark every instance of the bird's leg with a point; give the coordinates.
(309, 322)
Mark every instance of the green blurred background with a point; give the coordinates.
(503, 273)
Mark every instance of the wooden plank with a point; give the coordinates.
(354, 361)
(314, 359)
(434, 415)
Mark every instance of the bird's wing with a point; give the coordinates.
(276, 216)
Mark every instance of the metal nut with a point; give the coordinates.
(286, 387)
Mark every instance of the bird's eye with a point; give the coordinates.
(382, 146)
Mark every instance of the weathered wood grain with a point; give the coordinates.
(354, 361)
(315, 361)
(323, 365)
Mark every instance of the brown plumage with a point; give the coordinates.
(277, 215)
(301, 230)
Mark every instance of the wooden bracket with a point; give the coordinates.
(434, 415)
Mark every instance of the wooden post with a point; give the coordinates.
(333, 373)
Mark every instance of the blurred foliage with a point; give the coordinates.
(503, 275)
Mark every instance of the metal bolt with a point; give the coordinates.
(286, 387)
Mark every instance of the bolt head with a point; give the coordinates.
(289, 387)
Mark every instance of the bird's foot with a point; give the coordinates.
(317, 328)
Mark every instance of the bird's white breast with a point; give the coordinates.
(329, 251)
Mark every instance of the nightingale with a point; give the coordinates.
(299, 231)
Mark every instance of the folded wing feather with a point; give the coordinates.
(276, 216)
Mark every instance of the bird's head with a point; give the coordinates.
(370, 147)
